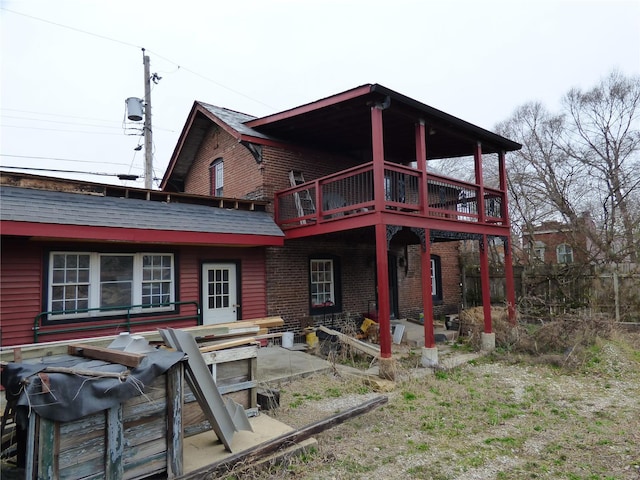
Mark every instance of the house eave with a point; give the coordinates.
(59, 232)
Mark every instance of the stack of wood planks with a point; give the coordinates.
(223, 334)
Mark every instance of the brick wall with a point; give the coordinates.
(410, 281)
(244, 177)
(288, 280)
(242, 174)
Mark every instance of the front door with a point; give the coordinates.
(219, 293)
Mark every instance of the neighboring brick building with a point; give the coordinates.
(556, 242)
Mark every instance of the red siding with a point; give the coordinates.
(22, 290)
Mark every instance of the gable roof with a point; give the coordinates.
(340, 122)
(75, 216)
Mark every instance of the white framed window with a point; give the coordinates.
(322, 282)
(92, 280)
(436, 277)
(217, 177)
(564, 253)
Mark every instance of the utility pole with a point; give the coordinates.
(148, 143)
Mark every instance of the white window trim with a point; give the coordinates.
(94, 284)
(562, 251)
(333, 279)
(434, 279)
(217, 176)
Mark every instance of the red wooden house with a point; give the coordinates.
(368, 228)
(82, 259)
(350, 186)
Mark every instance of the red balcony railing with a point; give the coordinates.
(351, 192)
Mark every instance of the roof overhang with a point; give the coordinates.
(342, 122)
(84, 233)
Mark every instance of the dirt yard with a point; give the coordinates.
(574, 415)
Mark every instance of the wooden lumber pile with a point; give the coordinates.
(257, 328)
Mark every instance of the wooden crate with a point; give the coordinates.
(135, 439)
(234, 370)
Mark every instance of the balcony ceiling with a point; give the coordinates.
(343, 123)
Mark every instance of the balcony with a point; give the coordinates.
(351, 194)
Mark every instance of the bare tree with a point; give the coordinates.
(586, 159)
(604, 137)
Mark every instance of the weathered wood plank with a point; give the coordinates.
(89, 452)
(230, 355)
(220, 468)
(114, 467)
(364, 347)
(175, 438)
(227, 344)
(48, 447)
(145, 467)
(107, 354)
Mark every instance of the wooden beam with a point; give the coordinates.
(227, 344)
(106, 354)
(221, 468)
(364, 347)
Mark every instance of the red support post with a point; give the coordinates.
(382, 259)
(427, 298)
(377, 146)
(421, 160)
(384, 309)
(485, 282)
(477, 157)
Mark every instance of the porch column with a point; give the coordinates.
(427, 298)
(488, 337)
(386, 365)
(508, 255)
(429, 356)
(421, 160)
(377, 147)
(477, 157)
(384, 310)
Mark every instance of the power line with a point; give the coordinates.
(59, 130)
(76, 123)
(58, 121)
(59, 159)
(53, 170)
(104, 37)
(56, 115)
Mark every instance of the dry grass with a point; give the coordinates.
(554, 401)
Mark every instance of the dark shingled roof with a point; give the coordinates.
(235, 120)
(62, 208)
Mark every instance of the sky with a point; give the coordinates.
(67, 66)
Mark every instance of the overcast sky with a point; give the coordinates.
(68, 65)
